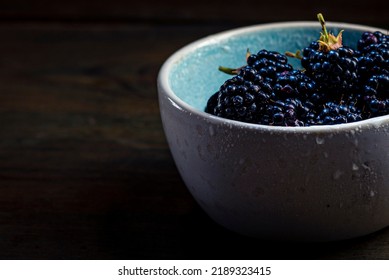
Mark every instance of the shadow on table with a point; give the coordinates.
(207, 240)
(195, 236)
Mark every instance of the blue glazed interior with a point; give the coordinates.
(196, 77)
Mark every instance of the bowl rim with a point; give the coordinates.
(164, 87)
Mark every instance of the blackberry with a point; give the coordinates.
(377, 85)
(373, 64)
(337, 85)
(296, 90)
(212, 103)
(266, 63)
(334, 113)
(374, 59)
(294, 84)
(269, 63)
(243, 97)
(369, 38)
(249, 97)
(330, 64)
(280, 113)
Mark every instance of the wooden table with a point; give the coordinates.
(85, 170)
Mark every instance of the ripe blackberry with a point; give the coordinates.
(330, 64)
(377, 85)
(249, 97)
(374, 58)
(338, 84)
(266, 63)
(243, 97)
(373, 64)
(246, 96)
(370, 38)
(269, 63)
(293, 84)
(334, 113)
(377, 107)
(212, 103)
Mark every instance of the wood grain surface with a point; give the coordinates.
(252, 11)
(85, 170)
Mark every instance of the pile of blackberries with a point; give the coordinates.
(337, 85)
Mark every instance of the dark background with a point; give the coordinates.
(85, 171)
(372, 12)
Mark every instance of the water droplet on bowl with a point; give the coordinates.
(365, 166)
(320, 140)
(211, 130)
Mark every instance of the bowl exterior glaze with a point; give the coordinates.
(304, 184)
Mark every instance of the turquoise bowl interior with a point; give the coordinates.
(196, 76)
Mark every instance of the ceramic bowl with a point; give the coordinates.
(318, 183)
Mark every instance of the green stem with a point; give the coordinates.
(323, 26)
(227, 70)
(297, 54)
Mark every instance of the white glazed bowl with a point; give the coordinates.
(318, 183)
